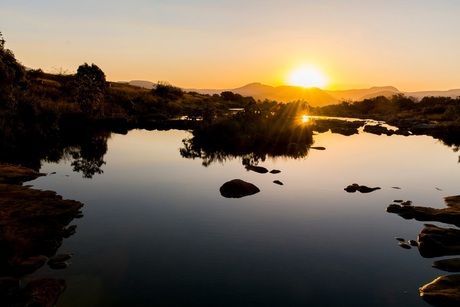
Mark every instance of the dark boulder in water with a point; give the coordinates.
(238, 188)
(352, 188)
(275, 171)
(278, 182)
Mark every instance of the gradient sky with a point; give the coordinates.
(411, 44)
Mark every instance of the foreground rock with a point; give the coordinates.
(449, 215)
(238, 188)
(443, 291)
(32, 224)
(436, 241)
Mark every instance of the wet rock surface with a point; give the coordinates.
(32, 224)
(435, 241)
(238, 188)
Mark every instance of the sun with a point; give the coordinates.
(307, 77)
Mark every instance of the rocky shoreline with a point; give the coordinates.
(33, 224)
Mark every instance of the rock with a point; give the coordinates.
(60, 258)
(257, 169)
(450, 215)
(44, 291)
(412, 242)
(406, 203)
(275, 171)
(396, 188)
(404, 245)
(398, 201)
(29, 265)
(238, 188)
(436, 241)
(400, 239)
(448, 265)
(69, 231)
(377, 129)
(352, 188)
(278, 182)
(443, 291)
(14, 174)
(318, 147)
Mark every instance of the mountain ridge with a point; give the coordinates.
(315, 96)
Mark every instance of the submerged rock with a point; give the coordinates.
(238, 188)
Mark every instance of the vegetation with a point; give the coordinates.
(39, 111)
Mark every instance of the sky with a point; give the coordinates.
(413, 45)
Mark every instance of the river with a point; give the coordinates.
(157, 232)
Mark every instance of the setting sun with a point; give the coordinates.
(307, 77)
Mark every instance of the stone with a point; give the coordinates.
(275, 171)
(412, 243)
(278, 182)
(443, 291)
(238, 188)
(257, 169)
(404, 245)
(352, 188)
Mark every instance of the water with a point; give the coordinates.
(157, 232)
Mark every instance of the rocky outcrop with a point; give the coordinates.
(443, 291)
(238, 188)
(33, 225)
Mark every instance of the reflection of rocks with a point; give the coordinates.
(448, 265)
(378, 129)
(32, 224)
(443, 291)
(352, 188)
(257, 169)
(238, 188)
(435, 241)
(318, 147)
(450, 215)
(339, 126)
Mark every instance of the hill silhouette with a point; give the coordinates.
(314, 96)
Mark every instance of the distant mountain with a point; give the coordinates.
(360, 94)
(449, 93)
(315, 96)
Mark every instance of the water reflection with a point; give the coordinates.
(435, 241)
(85, 150)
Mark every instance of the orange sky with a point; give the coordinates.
(410, 44)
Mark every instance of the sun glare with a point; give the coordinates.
(307, 77)
(305, 119)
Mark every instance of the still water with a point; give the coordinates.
(157, 232)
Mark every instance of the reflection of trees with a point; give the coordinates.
(434, 241)
(252, 135)
(85, 149)
(88, 157)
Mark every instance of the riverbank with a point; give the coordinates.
(33, 225)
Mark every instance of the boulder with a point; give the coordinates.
(352, 188)
(238, 188)
(443, 291)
